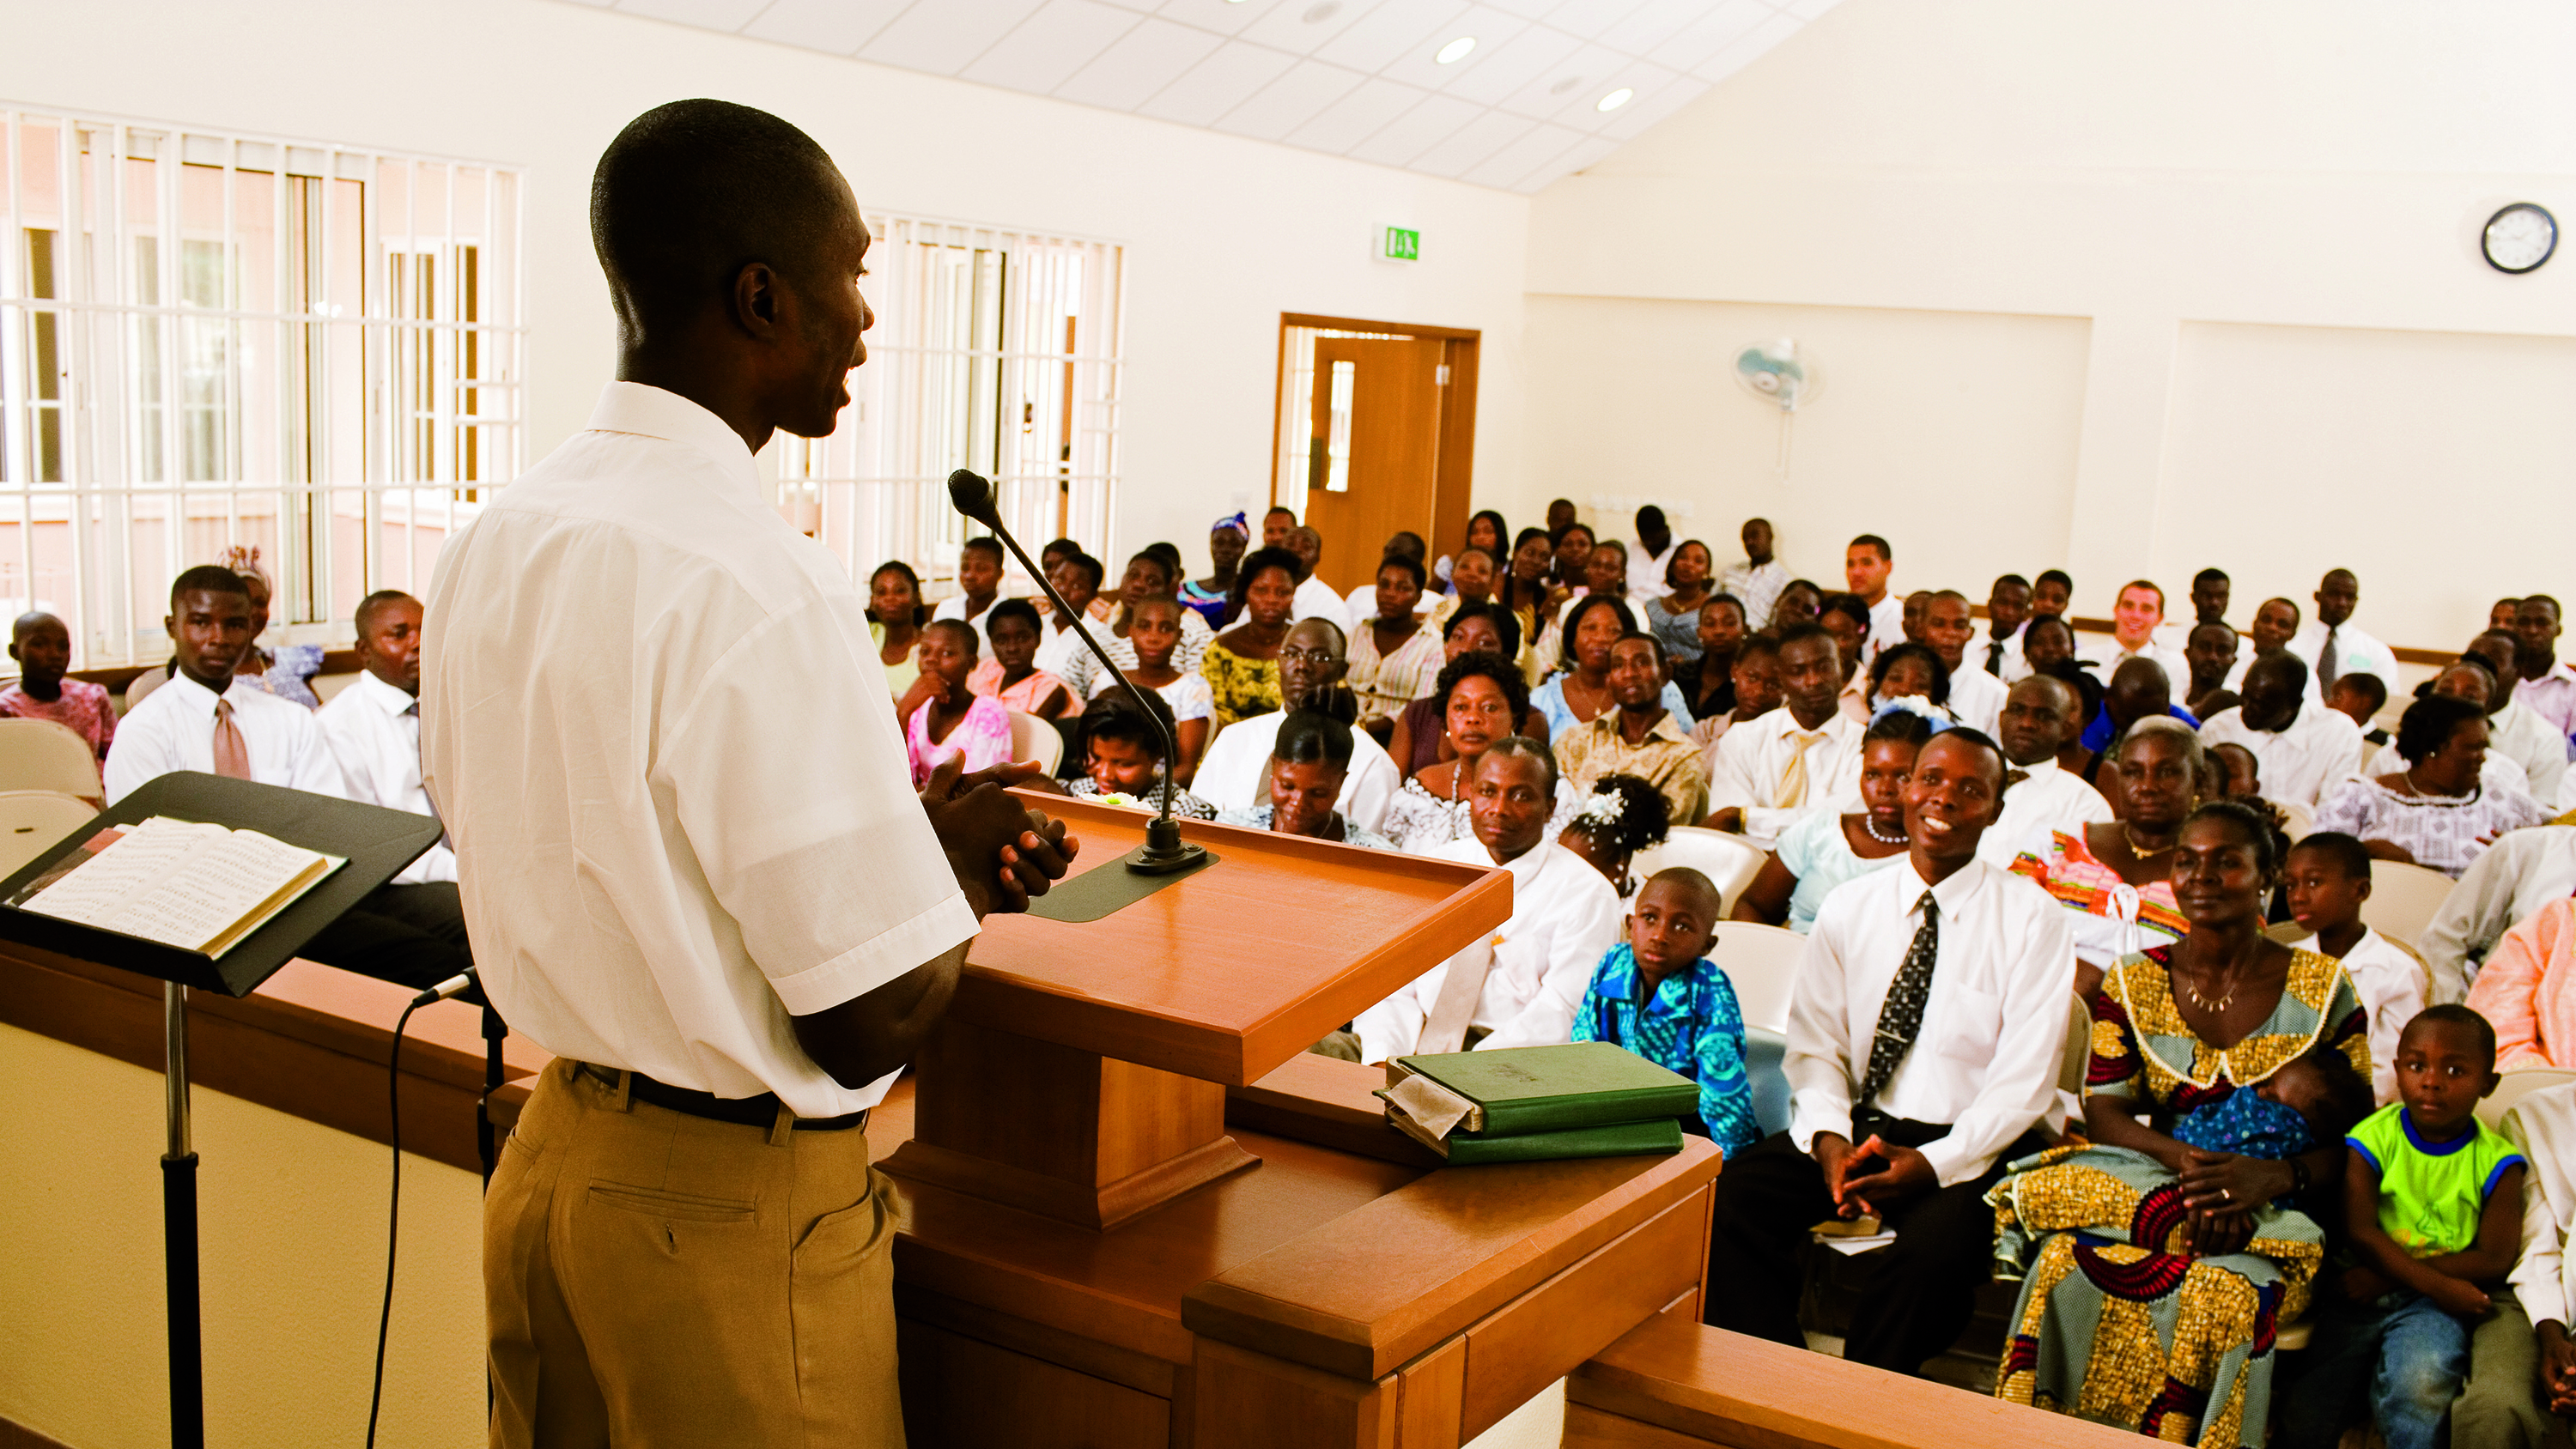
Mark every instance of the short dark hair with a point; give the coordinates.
(1847, 605)
(2003, 579)
(1798, 632)
(1507, 626)
(367, 607)
(2210, 576)
(1306, 738)
(1663, 661)
(2259, 829)
(1605, 545)
(1276, 509)
(1871, 540)
(2452, 1013)
(1723, 597)
(1585, 605)
(1901, 725)
(1969, 735)
(691, 192)
(2347, 852)
(1925, 653)
(1115, 716)
(2058, 577)
(207, 579)
(959, 630)
(2373, 692)
(984, 543)
(1088, 565)
(1477, 664)
(1171, 572)
(1759, 642)
(2554, 611)
(2429, 723)
(1020, 609)
(1254, 565)
(1413, 566)
(1523, 747)
(1650, 516)
(1170, 556)
(1558, 538)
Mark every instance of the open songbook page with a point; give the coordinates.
(198, 887)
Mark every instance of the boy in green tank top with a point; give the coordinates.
(2433, 1209)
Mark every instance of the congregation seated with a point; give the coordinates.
(1416, 737)
(1311, 668)
(2193, 1214)
(1673, 615)
(1926, 1024)
(1798, 602)
(1758, 578)
(1580, 691)
(953, 721)
(1394, 656)
(2548, 685)
(2047, 643)
(1753, 678)
(2209, 653)
(1227, 539)
(2041, 715)
(1310, 767)
(42, 646)
(1153, 641)
(1242, 664)
(1823, 850)
(2326, 877)
(1011, 675)
(1064, 639)
(2513, 729)
(2526, 987)
(1124, 757)
(286, 671)
(1522, 984)
(2136, 616)
(1481, 700)
(1995, 644)
(1658, 995)
(1847, 619)
(1802, 757)
(2332, 645)
(896, 615)
(2304, 748)
(2115, 877)
(1706, 679)
(2467, 679)
(1149, 576)
(1618, 816)
(1974, 697)
(2436, 812)
(1361, 602)
(1470, 581)
(2133, 689)
(2360, 697)
(980, 562)
(1639, 736)
(1907, 671)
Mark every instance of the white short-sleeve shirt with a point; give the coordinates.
(373, 729)
(174, 729)
(664, 747)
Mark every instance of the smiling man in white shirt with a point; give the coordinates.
(1866, 564)
(1799, 758)
(2136, 615)
(2303, 747)
(1520, 987)
(732, 922)
(1926, 1030)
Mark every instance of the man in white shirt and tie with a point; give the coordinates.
(1926, 1030)
(1757, 581)
(206, 718)
(1235, 772)
(1976, 697)
(1521, 986)
(732, 922)
(2302, 747)
(1799, 758)
(2333, 645)
(373, 726)
(1866, 565)
(2040, 715)
(1996, 646)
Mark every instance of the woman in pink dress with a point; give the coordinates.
(954, 720)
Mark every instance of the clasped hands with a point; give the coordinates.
(2221, 1191)
(1003, 853)
(1858, 1187)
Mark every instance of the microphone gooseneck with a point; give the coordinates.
(1163, 851)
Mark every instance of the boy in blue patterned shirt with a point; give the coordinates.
(1660, 997)
(2433, 1209)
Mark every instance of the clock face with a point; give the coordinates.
(2519, 238)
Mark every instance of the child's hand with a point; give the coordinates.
(2458, 1295)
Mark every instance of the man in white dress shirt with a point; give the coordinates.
(2525, 1390)
(2333, 645)
(373, 726)
(1996, 646)
(1926, 1031)
(2326, 877)
(1799, 758)
(2135, 616)
(732, 922)
(1521, 986)
(1756, 582)
(1234, 774)
(2513, 729)
(1315, 598)
(2548, 686)
(2040, 715)
(2512, 879)
(2303, 748)
(1976, 697)
(1647, 558)
(1866, 564)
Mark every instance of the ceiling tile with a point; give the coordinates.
(1392, 30)
(1141, 62)
(1290, 101)
(1588, 18)
(1632, 119)
(839, 26)
(1225, 17)
(1586, 154)
(1756, 43)
(1810, 9)
(1420, 67)
(1141, 7)
(1217, 84)
(1567, 83)
(1725, 23)
(1355, 117)
(1513, 64)
(942, 37)
(1516, 160)
(1527, 9)
(1651, 24)
(1471, 143)
(1051, 45)
(724, 15)
(1299, 26)
(1416, 131)
(1581, 110)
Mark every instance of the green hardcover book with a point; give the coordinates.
(1514, 1090)
(1621, 1139)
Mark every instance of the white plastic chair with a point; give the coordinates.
(38, 754)
(1729, 862)
(2079, 1049)
(2514, 1086)
(32, 821)
(2298, 821)
(1034, 739)
(2403, 899)
(1761, 963)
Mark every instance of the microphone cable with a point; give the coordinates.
(393, 1212)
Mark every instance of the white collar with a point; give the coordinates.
(383, 696)
(1784, 724)
(2033, 773)
(1955, 890)
(195, 697)
(651, 412)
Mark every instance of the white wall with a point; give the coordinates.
(2262, 216)
(1223, 234)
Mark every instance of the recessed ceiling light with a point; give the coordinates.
(1455, 50)
(1615, 99)
(1567, 84)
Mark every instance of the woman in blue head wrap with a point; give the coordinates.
(1226, 540)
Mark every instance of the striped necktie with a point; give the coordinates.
(1900, 1016)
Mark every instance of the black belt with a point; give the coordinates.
(760, 1111)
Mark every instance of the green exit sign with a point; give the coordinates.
(1403, 245)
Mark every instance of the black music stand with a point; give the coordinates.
(377, 843)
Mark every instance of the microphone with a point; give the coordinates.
(1163, 852)
(452, 986)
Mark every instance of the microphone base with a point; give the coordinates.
(1164, 852)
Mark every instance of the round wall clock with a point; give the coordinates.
(2519, 238)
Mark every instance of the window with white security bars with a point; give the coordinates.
(212, 341)
(993, 350)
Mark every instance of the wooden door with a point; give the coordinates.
(1374, 456)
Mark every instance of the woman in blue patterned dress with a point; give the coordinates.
(1660, 996)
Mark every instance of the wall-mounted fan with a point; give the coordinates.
(1782, 374)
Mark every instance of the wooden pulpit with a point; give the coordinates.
(1135, 1212)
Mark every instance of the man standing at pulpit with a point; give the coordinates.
(1925, 1034)
(732, 921)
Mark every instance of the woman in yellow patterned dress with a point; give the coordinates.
(2158, 1262)
(1241, 665)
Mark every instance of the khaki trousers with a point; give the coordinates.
(652, 1278)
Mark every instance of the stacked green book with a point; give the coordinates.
(1527, 1104)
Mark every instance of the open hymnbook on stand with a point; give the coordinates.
(198, 887)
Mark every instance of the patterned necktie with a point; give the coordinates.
(1995, 658)
(1793, 780)
(2327, 660)
(232, 752)
(1900, 1016)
